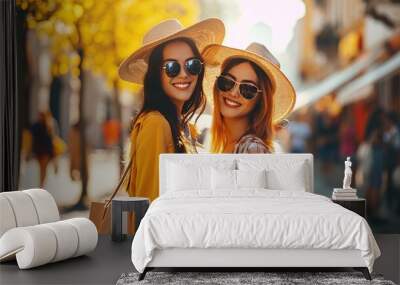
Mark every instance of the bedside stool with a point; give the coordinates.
(138, 205)
(357, 205)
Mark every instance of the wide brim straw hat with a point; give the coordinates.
(284, 95)
(204, 33)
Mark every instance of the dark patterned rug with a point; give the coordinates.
(229, 278)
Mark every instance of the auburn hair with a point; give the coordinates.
(260, 118)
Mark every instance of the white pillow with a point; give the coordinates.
(282, 173)
(193, 173)
(251, 178)
(188, 177)
(278, 180)
(229, 179)
(223, 179)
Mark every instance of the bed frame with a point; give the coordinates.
(246, 259)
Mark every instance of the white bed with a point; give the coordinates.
(202, 220)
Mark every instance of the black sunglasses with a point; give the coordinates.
(192, 65)
(246, 90)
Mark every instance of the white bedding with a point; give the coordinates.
(252, 218)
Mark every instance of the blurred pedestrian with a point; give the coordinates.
(374, 177)
(391, 139)
(75, 154)
(42, 143)
(347, 135)
(111, 132)
(300, 132)
(326, 134)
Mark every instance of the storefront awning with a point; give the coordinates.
(335, 81)
(355, 90)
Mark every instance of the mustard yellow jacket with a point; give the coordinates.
(151, 136)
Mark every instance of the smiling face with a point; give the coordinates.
(232, 104)
(179, 88)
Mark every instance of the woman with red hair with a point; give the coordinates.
(251, 97)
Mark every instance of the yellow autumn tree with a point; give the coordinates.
(88, 35)
(107, 30)
(124, 24)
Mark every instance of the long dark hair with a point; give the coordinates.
(155, 98)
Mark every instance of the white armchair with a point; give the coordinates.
(31, 232)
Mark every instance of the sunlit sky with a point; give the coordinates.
(269, 22)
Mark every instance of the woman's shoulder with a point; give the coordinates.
(251, 144)
(150, 123)
(152, 117)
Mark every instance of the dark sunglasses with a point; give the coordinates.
(192, 65)
(246, 90)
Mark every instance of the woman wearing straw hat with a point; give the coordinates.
(251, 97)
(170, 67)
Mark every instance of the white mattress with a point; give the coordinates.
(253, 218)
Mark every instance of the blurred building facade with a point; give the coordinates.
(342, 56)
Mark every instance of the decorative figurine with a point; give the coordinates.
(347, 174)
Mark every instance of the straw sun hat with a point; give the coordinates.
(284, 94)
(209, 31)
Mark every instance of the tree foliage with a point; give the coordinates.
(107, 31)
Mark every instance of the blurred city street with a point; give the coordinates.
(342, 58)
(94, 90)
(103, 177)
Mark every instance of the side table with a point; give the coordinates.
(138, 205)
(357, 205)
